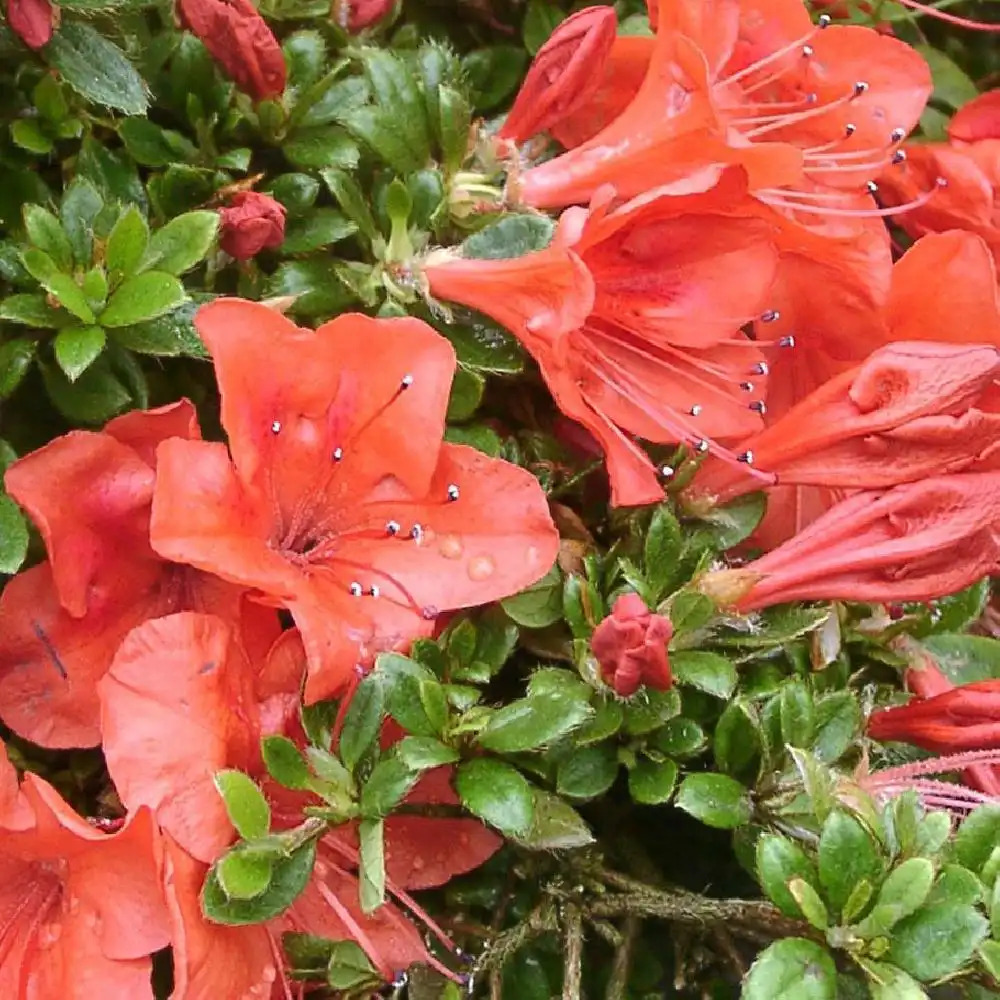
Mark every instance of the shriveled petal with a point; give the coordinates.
(89, 496)
(176, 708)
(143, 430)
(290, 397)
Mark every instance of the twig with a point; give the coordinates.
(573, 963)
(621, 964)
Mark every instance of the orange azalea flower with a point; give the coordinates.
(61, 622)
(80, 911)
(908, 412)
(563, 75)
(181, 702)
(336, 498)
(756, 85)
(915, 542)
(633, 315)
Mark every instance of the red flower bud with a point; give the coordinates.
(355, 15)
(32, 21)
(565, 72)
(252, 222)
(240, 42)
(631, 647)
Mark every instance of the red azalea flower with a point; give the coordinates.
(633, 315)
(250, 223)
(336, 498)
(61, 622)
(564, 74)
(915, 542)
(631, 647)
(81, 911)
(760, 86)
(908, 412)
(181, 702)
(240, 41)
(32, 21)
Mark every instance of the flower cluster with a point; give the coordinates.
(153, 630)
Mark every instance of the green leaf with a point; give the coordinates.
(532, 722)
(387, 786)
(143, 297)
(989, 955)
(420, 753)
(736, 742)
(16, 358)
(779, 860)
(32, 310)
(31, 135)
(93, 398)
(13, 536)
(316, 285)
(61, 286)
(171, 335)
(904, 891)
(482, 346)
(349, 967)
(511, 236)
(46, 232)
(319, 228)
(452, 126)
(362, 721)
(955, 886)
(797, 714)
(540, 604)
(496, 793)
(680, 737)
(838, 721)
(371, 866)
(936, 942)
(466, 395)
(714, 799)
(977, 836)
(662, 552)
(182, 242)
(153, 146)
(114, 175)
(351, 199)
(284, 762)
(540, 20)
(126, 244)
(289, 876)
(243, 876)
(886, 982)
(322, 146)
(952, 87)
(77, 347)
(494, 73)
(81, 204)
(792, 969)
(847, 854)
(810, 903)
(965, 659)
(587, 772)
(555, 825)
(414, 696)
(652, 783)
(297, 192)
(96, 69)
(245, 803)
(708, 672)
(650, 709)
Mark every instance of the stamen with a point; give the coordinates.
(798, 43)
(392, 528)
(899, 156)
(780, 195)
(356, 590)
(338, 454)
(406, 381)
(808, 51)
(897, 135)
(746, 386)
(453, 492)
(746, 457)
(666, 471)
(701, 446)
(788, 341)
(759, 406)
(275, 426)
(374, 591)
(761, 368)
(417, 533)
(770, 316)
(695, 410)
(871, 187)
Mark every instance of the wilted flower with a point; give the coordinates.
(564, 74)
(240, 41)
(250, 223)
(631, 647)
(32, 21)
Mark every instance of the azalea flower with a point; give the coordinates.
(336, 498)
(631, 647)
(250, 223)
(180, 702)
(633, 315)
(32, 21)
(62, 621)
(565, 72)
(81, 911)
(970, 164)
(915, 542)
(908, 412)
(796, 104)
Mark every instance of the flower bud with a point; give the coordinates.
(252, 222)
(32, 21)
(355, 15)
(565, 73)
(631, 647)
(240, 41)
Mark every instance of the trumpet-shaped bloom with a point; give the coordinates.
(564, 74)
(61, 622)
(336, 498)
(735, 83)
(180, 702)
(633, 315)
(915, 542)
(908, 412)
(80, 911)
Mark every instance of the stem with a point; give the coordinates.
(573, 965)
(621, 964)
(504, 946)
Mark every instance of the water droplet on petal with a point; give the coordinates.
(481, 568)
(450, 546)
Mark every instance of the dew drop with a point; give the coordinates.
(481, 568)
(450, 546)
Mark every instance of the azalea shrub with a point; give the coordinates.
(499, 500)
